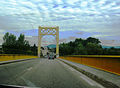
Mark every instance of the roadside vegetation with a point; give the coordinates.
(14, 45)
(89, 46)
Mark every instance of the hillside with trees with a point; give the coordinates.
(14, 45)
(89, 46)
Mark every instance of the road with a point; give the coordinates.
(44, 73)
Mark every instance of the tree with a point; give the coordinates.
(71, 46)
(64, 49)
(6, 38)
(34, 49)
(9, 43)
(90, 46)
(13, 46)
(21, 40)
(79, 40)
(92, 40)
(113, 51)
(9, 39)
(93, 48)
(80, 50)
(23, 46)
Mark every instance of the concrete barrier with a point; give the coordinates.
(7, 57)
(103, 62)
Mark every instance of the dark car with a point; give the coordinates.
(51, 56)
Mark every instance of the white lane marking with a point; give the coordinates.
(84, 77)
(29, 83)
(71, 69)
(29, 68)
(68, 67)
(87, 80)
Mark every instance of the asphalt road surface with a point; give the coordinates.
(44, 73)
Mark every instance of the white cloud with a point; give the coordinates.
(107, 16)
(110, 42)
(84, 3)
(91, 15)
(49, 1)
(71, 10)
(108, 6)
(59, 1)
(99, 35)
(71, 2)
(114, 8)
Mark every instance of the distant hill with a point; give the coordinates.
(54, 46)
(51, 46)
(110, 46)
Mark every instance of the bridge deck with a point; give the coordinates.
(44, 73)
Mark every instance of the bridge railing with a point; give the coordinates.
(7, 57)
(107, 63)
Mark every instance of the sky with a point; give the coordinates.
(75, 18)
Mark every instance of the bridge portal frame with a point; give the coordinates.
(48, 31)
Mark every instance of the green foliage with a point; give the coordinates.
(9, 39)
(20, 46)
(92, 40)
(34, 49)
(93, 48)
(80, 49)
(64, 49)
(89, 46)
(111, 51)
